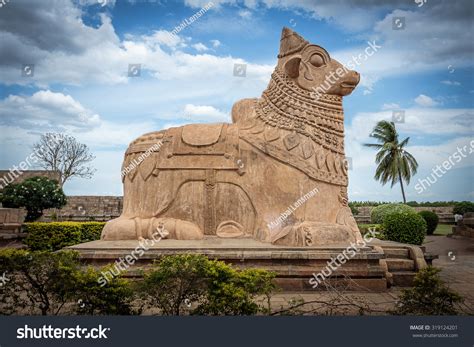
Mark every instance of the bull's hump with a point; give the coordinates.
(201, 134)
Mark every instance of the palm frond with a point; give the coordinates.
(393, 161)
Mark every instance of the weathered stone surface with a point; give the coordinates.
(11, 219)
(87, 208)
(293, 266)
(236, 180)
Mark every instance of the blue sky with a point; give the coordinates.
(81, 51)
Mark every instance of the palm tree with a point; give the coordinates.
(395, 164)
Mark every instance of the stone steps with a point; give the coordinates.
(11, 236)
(396, 265)
(397, 253)
(403, 262)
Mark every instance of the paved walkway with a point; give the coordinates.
(456, 259)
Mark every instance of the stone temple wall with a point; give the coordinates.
(104, 208)
(445, 213)
(87, 208)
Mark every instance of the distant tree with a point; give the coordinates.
(63, 153)
(35, 194)
(395, 164)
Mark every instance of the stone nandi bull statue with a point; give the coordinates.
(282, 151)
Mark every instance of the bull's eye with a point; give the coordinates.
(316, 60)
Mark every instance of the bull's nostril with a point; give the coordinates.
(357, 75)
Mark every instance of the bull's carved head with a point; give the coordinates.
(312, 68)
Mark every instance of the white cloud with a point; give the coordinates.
(425, 101)
(451, 83)
(102, 3)
(245, 14)
(97, 55)
(201, 112)
(82, 54)
(215, 43)
(47, 110)
(200, 47)
(390, 106)
(203, 3)
(162, 37)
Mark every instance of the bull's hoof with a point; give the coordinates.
(177, 229)
(120, 229)
(314, 234)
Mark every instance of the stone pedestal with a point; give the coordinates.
(294, 266)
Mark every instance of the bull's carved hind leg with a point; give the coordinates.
(177, 229)
(345, 216)
(314, 234)
(123, 228)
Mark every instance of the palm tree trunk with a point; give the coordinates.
(401, 185)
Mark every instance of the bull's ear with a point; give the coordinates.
(292, 67)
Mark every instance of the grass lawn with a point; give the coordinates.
(443, 229)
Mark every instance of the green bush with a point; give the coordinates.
(463, 207)
(364, 228)
(378, 213)
(232, 292)
(378, 228)
(405, 227)
(113, 298)
(193, 283)
(91, 231)
(431, 220)
(38, 282)
(355, 211)
(55, 283)
(429, 296)
(35, 194)
(56, 235)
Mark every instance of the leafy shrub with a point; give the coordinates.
(367, 203)
(431, 220)
(91, 231)
(463, 207)
(54, 283)
(56, 235)
(232, 292)
(377, 228)
(364, 228)
(215, 288)
(378, 213)
(429, 296)
(38, 282)
(354, 209)
(114, 298)
(35, 194)
(405, 227)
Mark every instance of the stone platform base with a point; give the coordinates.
(294, 266)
